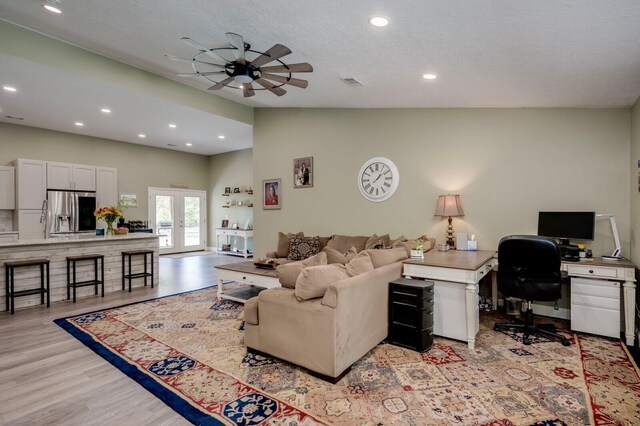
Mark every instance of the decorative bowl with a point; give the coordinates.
(121, 231)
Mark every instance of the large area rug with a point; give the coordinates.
(188, 350)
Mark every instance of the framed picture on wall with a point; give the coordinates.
(128, 200)
(271, 199)
(303, 172)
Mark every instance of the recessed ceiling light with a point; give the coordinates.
(220, 136)
(51, 8)
(79, 124)
(106, 110)
(379, 21)
(142, 135)
(189, 144)
(173, 126)
(429, 76)
(10, 88)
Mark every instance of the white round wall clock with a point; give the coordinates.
(378, 179)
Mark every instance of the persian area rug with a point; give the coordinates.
(188, 350)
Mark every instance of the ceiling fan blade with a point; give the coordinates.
(178, 59)
(237, 41)
(247, 89)
(201, 48)
(220, 85)
(270, 87)
(301, 67)
(282, 79)
(276, 52)
(199, 74)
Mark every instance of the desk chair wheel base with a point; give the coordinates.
(529, 328)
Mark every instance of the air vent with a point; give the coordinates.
(171, 144)
(352, 81)
(11, 117)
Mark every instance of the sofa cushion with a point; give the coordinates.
(343, 243)
(378, 242)
(385, 257)
(251, 311)
(284, 241)
(334, 256)
(303, 247)
(288, 273)
(359, 264)
(314, 280)
(323, 242)
(400, 239)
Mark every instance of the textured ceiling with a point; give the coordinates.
(499, 53)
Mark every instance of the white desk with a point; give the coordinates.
(230, 232)
(456, 275)
(601, 269)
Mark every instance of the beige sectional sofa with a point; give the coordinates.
(326, 329)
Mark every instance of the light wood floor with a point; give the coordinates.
(47, 377)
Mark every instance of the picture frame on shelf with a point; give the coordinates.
(225, 223)
(303, 172)
(227, 190)
(128, 200)
(236, 190)
(271, 196)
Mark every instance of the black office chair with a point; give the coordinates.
(529, 269)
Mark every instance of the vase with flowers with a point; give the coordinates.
(109, 215)
(417, 250)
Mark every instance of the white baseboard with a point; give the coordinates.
(213, 249)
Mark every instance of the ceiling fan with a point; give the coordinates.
(210, 64)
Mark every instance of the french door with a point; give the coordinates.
(178, 216)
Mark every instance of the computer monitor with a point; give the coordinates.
(567, 225)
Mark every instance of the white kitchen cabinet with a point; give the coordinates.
(31, 183)
(84, 178)
(29, 225)
(71, 176)
(7, 238)
(7, 188)
(106, 186)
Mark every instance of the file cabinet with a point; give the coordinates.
(411, 314)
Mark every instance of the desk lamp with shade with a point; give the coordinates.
(449, 206)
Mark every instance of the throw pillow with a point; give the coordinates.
(400, 239)
(334, 256)
(359, 264)
(289, 272)
(378, 242)
(385, 257)
(353, 252)
(314, 280)
(303, 247)
(342, 243)
(323, 242)
(284, 241)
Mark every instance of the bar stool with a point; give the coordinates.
(130, 275)
(10, 282)
(71, 265)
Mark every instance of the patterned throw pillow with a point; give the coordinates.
(303, 247)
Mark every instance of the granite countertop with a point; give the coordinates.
(78, 239)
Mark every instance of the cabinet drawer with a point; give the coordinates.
(595, 301)
(596, 271)
(410, 337)
(600, 321)
(421, 319)
(484, 271)
(410, 299)
(609, 289)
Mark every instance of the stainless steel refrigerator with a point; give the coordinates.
(71, 212)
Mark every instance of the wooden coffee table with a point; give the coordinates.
(258, 279)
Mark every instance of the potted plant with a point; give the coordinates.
(417, 251)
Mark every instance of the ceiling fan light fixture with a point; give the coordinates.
(429, 76)
(243, 78)
(379, 21)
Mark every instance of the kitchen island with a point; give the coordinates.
(56, 251)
